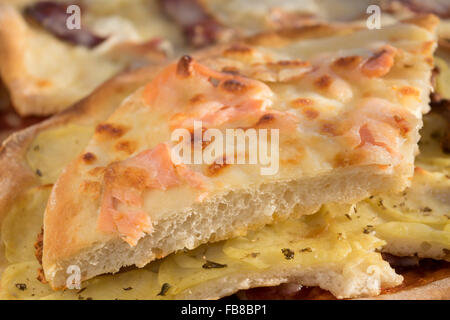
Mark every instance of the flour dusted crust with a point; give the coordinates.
(45, 74)
(384, 66)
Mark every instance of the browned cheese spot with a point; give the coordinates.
(237, 50)
(265, 120)
(216, 167)
(230, 70)
(89, 157)
(203, 142)
(301, 102)
(323, 82)
(310, 113)
(233, 86)
(198, 98)
(109, 130)
(118, 176)
(125, 146)
(346, 63)
(329, 128)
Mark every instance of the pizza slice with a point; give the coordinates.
(342, 111)
(34, 158)
(48, 66)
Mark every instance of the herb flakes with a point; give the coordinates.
(288, 253)
(380, 204)
(253, 254)
(21, 286)
(368, 229)
(165, 287)
(213, 265)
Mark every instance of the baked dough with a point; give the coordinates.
(348, 119)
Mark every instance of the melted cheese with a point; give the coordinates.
(26, 214)
(53, 149)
